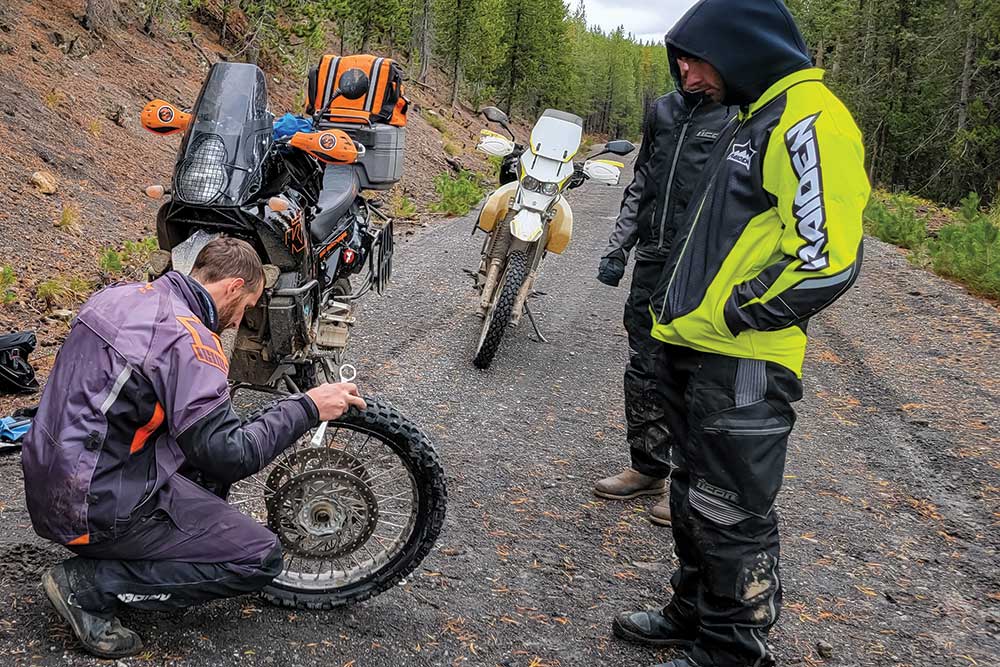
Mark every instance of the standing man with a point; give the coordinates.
(136, 407)
(772, 236)
(679, 132)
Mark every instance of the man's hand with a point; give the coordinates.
(611, 271)
(333, 400)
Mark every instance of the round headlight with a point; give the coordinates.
(550, 189)
(202, 176)
(531, 183)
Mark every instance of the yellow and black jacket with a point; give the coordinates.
(773, 232)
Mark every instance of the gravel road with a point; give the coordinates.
(890, 507)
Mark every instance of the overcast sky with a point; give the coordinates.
(646, 19)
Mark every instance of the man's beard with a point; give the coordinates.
(227, 316)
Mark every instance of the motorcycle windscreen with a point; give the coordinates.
(222, 156)
(557, 135)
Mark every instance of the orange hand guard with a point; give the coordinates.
(164, 118)
(333, 146)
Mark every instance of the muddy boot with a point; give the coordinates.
(629, 484)
(651, 628)
(659, 513)
(103, 636)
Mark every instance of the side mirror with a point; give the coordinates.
(493, 144)
(494, 115)
(619, 147)
(164, 118)
(354, 84)
(603, 171)
(330, 146)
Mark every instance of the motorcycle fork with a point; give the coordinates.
(495, 258)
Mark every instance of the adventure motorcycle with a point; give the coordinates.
(359, 502)
(528, 216)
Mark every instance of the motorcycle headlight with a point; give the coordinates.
(202, 176)
(550, 189)
(531, 183)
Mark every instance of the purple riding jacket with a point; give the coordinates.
(138, 392)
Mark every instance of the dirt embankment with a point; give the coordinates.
(69, 107)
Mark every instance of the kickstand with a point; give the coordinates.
(534, 325)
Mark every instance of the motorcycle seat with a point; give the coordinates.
(340, 188)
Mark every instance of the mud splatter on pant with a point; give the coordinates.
(731, 419)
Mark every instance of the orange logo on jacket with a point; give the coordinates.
(210, 353)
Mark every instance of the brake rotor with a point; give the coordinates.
(323, 513)
(311, 458)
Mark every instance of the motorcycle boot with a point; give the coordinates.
(101, 634)
(629, 484)
(654, 628)
(659, 514)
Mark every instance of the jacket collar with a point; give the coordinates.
(780, 86)
(195, 296)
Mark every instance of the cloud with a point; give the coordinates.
(648, 21)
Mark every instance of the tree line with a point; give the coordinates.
(923, 81)
(922, 78)
(523, 55)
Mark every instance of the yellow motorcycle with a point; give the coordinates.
(529, 217)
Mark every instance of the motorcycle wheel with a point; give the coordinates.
(355, 514)
(498, 316)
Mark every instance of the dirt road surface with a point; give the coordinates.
(889, 511)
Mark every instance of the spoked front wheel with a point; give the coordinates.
(356, 508)
(501, 308)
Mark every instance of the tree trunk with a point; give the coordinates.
(456, 73)
(425, 42)
(963, 97)
(225, 22)
(455, 77)
(512, 82)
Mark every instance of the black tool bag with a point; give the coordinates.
(16, 374)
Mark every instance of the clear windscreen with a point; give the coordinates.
(229, 139)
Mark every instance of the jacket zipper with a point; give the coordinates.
(673, 170)
(697, 219)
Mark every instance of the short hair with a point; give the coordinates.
(224, 258)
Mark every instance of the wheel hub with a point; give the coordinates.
(323, 513)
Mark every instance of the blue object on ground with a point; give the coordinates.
(289, 124)
(12, 430)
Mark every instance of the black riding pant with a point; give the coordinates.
(648, 436)
(731, 419)
(189, 546)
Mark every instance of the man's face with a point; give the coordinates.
(235, 301)
(697, 76)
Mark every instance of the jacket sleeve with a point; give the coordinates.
(626, 231)
(189, 375)
(814, 168)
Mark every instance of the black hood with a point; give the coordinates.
(752, 43)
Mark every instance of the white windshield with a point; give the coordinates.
(557, 135)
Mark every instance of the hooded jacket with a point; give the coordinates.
(679, 131)
(773, 233)
(139, 391)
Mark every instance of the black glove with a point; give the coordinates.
(611, 271)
